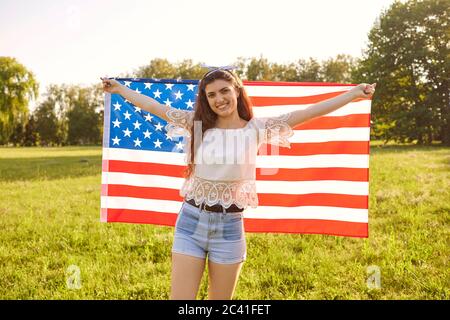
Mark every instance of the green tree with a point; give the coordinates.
(309, 70)
(17, 87)
(83, 116)
(338, 69)
(31, 137)
(408, 56)
(163, 69)
(47, 123)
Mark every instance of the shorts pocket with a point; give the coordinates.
(233, 227)
(187, 222)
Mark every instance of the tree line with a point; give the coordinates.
(408, 55)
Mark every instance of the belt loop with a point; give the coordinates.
(224, 211)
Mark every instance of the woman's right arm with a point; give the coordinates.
(142, 101)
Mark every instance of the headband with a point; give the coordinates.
(213, 69)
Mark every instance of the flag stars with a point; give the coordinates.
(190, 104)
(127, 83)
(137, 90)
(178, 95)
(169, 86)
(158, 126)
(137, 125)
(147, 134)
(137, 109)
(180, 145)
(127, 115)
(168, 102)
(127, 133)
(190, 87)
(168, 137)
(148, 117)
(116, 140)
(157, 93)
(157, 143)
(148, 85)
(117, 106)
(137, 142)
(117, 123)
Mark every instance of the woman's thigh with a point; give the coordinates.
(223, 279)
(187, 272)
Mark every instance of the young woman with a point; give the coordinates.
(217, 191)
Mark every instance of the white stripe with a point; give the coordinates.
(262, 161)
(360, 107)
(275, 187)
(144, 156)
(262, 212)
(314, 161)
(339, 134)
(292, 91)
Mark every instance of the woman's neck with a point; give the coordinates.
(233, 121)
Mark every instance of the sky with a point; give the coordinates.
(76, 42)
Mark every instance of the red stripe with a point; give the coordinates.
(314, 199)
(280, 174)
(170, 170)
(330, 227)
(279, 101)
(296, 84)
(348, 121)
(312, 174)
(317, 148)
(141, 216)
(266, 199)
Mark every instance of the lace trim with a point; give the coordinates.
(180, 122)
(278, 131)
(241, 193)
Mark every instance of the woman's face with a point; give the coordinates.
(222, 97)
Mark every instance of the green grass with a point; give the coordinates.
(49, 220)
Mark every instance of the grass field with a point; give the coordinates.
(49, 220)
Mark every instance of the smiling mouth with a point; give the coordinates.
(223, 106)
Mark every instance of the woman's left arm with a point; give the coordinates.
(362, 90)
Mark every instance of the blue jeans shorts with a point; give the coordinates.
(218, 235)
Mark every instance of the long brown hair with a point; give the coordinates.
(208, 117)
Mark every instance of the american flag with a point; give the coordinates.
(318, 186)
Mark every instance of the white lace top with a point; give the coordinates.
(225, 160)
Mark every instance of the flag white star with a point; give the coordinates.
(148, 117)
(116, 140)
(169, 86)
(157, 143)
(137, 109)
(127, 83)
(168, 137)
(117, 106)
(117, 123)
(180, 145)
(190, 87)
(147, 134)
(137, 125)
(127, 133)
(158, 126)
(168, 102)
(157, 93)
(148, 85)
(190, 104)
(178, 94)
(137, 142)
(127, 115)
(137, 90)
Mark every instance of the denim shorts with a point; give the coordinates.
(200, 233)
